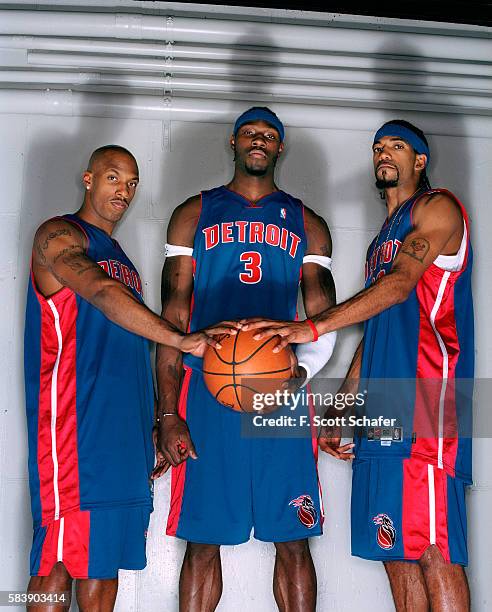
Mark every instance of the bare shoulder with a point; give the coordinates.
(438, 208)
(318, 233)
(53, 233)
(182, 226)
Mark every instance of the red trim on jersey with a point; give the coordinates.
(431, 366)
(82, 229)
(57, 418)
(463, 212)
(250, 203)
(178, 473)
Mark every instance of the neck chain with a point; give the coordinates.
(396, 215)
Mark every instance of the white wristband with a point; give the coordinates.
(321, 260)
(171, 250)
(313, 356)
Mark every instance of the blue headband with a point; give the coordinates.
(395, 129)
(260, 114)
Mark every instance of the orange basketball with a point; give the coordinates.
(243, 367)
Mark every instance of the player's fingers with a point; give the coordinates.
(174, 453)
(345, 456)
(192, 452)
(346, 447)
(160, 469)
(281, 344)
(260, 323)
(266, 333)
(325, 447)
(211, 341)
(221, 329)
(169, 457)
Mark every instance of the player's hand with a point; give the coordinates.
(297, 375)
(161, 463)
(289, 332)
(329, 438)
(173, 442)
(197, 342)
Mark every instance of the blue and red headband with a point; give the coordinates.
(398, 130)
(260, 113)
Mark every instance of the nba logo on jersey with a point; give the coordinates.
(283, 213)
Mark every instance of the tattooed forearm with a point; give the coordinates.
(417, 249)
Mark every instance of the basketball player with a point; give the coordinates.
(234, 251)
(408, 493)
(89, 392)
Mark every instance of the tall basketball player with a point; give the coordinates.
(89, 393)
(240, 250)
(408, 493)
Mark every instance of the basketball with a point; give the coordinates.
(243, 367)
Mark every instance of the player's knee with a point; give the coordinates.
(295, 551)
(202, 553)
(59, 580)
(431, 559)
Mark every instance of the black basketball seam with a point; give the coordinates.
(232, 385)
(234, 370)
(234, 352)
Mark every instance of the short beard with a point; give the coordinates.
(385, 184)
(382, 184)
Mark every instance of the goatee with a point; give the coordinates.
(383, 184)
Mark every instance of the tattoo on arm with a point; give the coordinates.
(418, 249)
(42, 245)
(55, 234)
(71, 249)
(78, 266)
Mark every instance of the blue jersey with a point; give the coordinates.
(247, 258)
(418, 356)
(89, 396)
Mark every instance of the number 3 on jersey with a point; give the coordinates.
(252, 267)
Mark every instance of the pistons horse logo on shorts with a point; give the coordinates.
(386, 535)
(306, 512)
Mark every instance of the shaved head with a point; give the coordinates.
(102, 152)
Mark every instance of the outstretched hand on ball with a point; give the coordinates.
(289, 332)
(197, 342)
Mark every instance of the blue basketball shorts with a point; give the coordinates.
(92, 543)
(400, 507)
(241, 483)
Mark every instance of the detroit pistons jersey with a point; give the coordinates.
(89, 396)
(418, 356)
(247, 258)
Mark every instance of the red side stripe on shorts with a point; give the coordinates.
(76, 544)
(424, 509)
(178, 473)
(67, 541)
